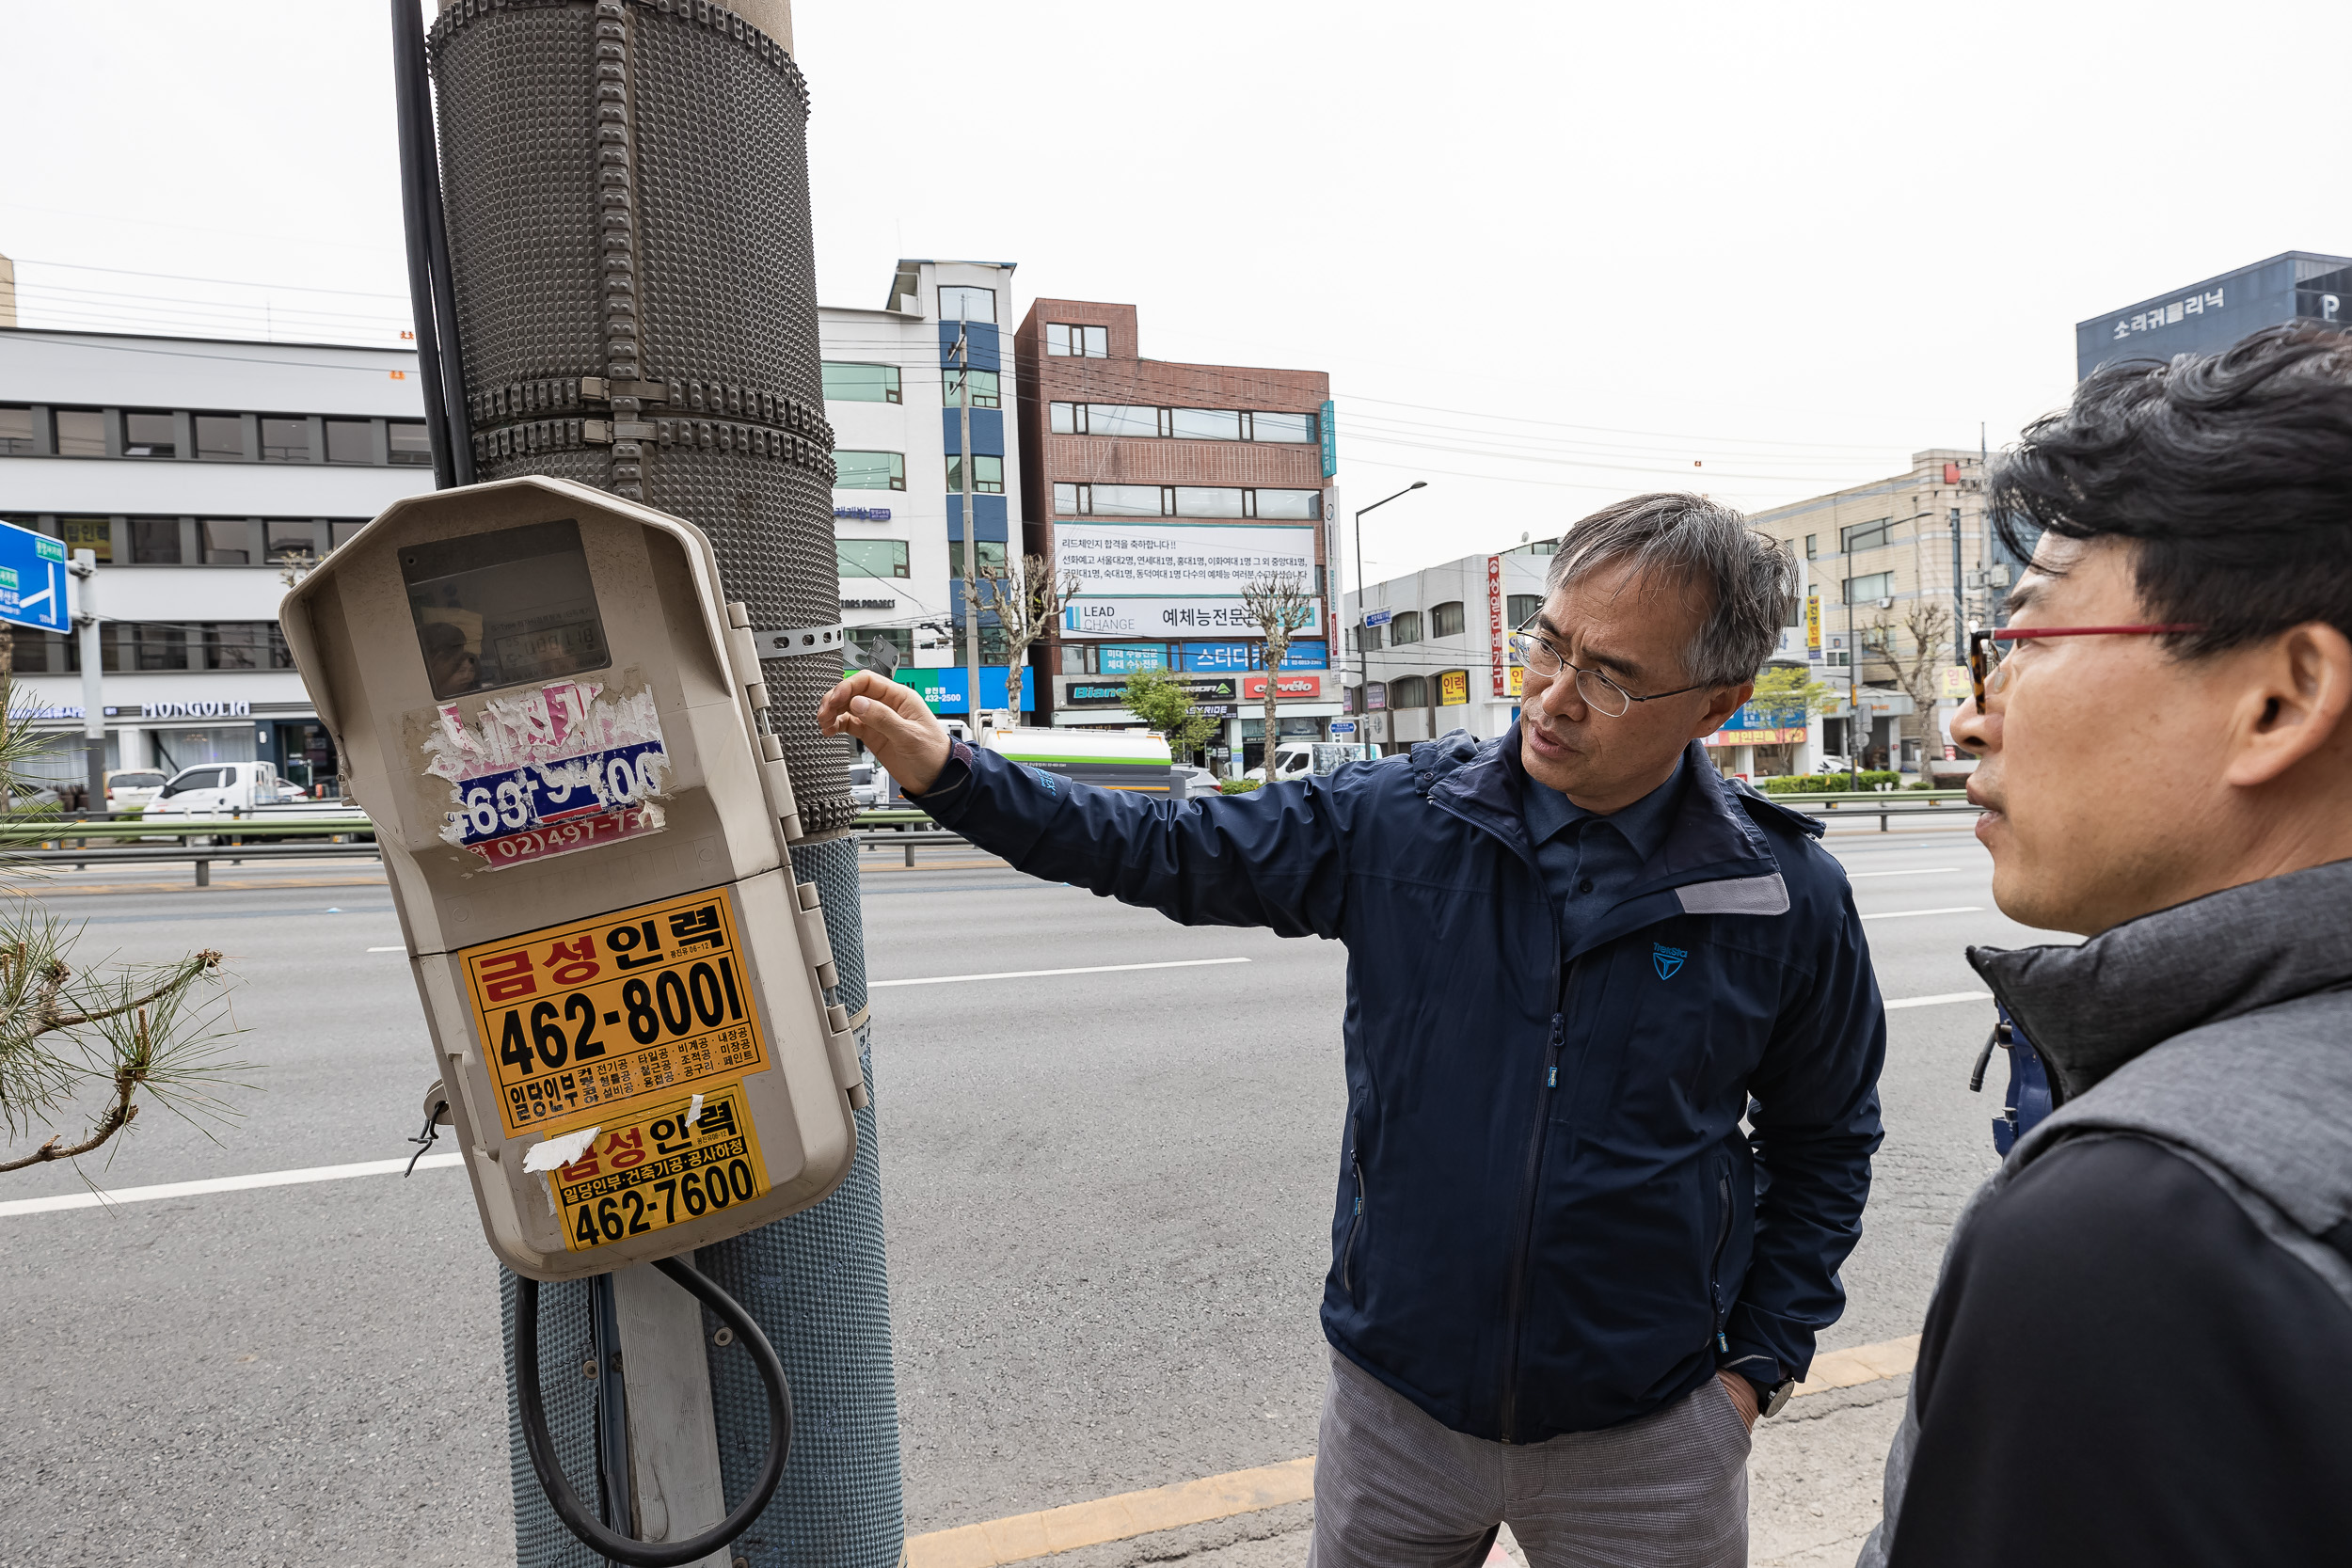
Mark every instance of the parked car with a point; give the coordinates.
(1196, 781)
(130, 788)
(1297, 759)
(218, 788)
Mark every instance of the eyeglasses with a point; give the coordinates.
(1600, 693)
(1990, 650)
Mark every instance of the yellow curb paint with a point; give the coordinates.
(1849, 1368)
(1026, 1536)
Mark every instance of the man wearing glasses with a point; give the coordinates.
(1563, 1275)
(2140, 1347)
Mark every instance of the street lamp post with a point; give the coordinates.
(1363, 654)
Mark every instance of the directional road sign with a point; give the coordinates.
(32, 579)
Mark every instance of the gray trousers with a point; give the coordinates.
(1394, 1488)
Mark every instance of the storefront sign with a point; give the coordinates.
(862, 514)
(1245, 655)
(1752, 725)
(1377, 617)
(1813, 625)
(1494, 626)
(1453, 688)
(1202, 689)
(1164, 555)
(1329, 431)
(1145, 617)
(195, 710)
(1296, 688)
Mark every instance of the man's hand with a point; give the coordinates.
(904, 736)
(1742, 1394)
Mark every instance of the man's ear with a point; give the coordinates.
(2297, 691)
(1721, 705)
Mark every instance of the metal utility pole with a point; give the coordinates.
(85, 568)
(1960, 605)
(971, 527)
(1854, 688)
(1363, 651)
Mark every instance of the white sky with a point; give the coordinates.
(1551, 254)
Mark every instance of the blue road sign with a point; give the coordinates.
(32, 579)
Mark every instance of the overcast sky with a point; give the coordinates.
(1551, 254)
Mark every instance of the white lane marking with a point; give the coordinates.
(1923, 871)
(1905, 914)
(219, 1185)
(1037, 974)
(1939, 1001)
(404, 949)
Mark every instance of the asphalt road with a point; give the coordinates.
(1106, 1197)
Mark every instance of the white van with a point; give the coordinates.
(1298, 759)
(218, 789)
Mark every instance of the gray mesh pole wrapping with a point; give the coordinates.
(625, 184)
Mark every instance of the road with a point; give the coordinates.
(1107, 1196)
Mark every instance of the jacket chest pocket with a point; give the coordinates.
(1680, 1024)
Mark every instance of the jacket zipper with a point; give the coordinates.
(1715, 1265)
(1348, 1253)
(1526, 1190)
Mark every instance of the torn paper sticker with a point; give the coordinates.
(695, 1111)
(548, 771)
(555, 1153)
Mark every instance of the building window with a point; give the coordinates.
(962, 301)
(16, 431)
(1519, 609)
(1446, 620)
(1864, 536)
(1204, 424)
(341, 533)
(1404, 628)
(155, 541)
(94, 534)
(1123, 500)
(1372, 638)
(411, 445)
(1107, 418)
(1812, 542)
(81, 432)
(302, 537)
(871, 558)
(869, 470)
(1078, 342)
(149, 436)
(847, 383)
(992, 557)
(1289, 504)
(1279, 427)
(1878, 585)
(148, 646)
(220, 438)
(350, 441)
(988, 474)
(1408, 691)
(983, 388)
(242, 645)
(1202, 500)
(230, 541)
(285, 440)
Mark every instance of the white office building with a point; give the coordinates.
(200, 473)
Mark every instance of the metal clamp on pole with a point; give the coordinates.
(798, 639)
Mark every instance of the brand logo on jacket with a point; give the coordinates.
(1668, 960)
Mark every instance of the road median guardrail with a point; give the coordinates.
(203, 855)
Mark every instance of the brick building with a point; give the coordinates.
(1164, 487)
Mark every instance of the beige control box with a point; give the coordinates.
(558, 726)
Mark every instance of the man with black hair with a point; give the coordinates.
(2140, 1349)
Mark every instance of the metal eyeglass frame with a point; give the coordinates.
(1985, 664)
(1527, 642)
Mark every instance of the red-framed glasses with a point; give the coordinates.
(1988, 649)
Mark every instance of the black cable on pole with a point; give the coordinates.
(579, 1520)
(409, 65)
(436, 263)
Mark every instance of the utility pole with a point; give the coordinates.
(93, 697)
(1854, 688)
(971, 526)
(1363, 641)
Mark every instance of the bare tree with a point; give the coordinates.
(1280, 607)
(1029, 594)
(1927, 628)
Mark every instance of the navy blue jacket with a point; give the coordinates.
(1549, 1218)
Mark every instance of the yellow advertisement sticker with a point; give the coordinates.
(676, 1161)
(583, 1020)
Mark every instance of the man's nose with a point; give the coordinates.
(1561, 698)
(1974, 730)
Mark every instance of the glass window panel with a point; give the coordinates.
(1205, 424)
(871, 558)
(1125, 501)
(155, 541)
(285, 440)
(1087, 342)
(157, 647)
(342, 533)
(94, 534)
(503, 609)
(1867, 536)
(149, 436)
(1878, 585)
(1410, 691)
(411, 444)
(983, 388)
(1065, 418)
(962, 301)
(81, 432)
(1065, 501)
(350, 441)
(1446, 620)
(221, 436)
(31, 651)
(1202, 500)
(988, 474)
(1522, 607)
(1812, 542)
(1289, 503)
(1057, 339)
(1282, 427)
(235, 645)
(1120, 419)
(992, 557)
(869, 470)
(848, 383)
(230, 541)
(1096, 341)
(1403, 626)
(16, 431)
(302, 537)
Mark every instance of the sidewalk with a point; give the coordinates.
(1813, 1494)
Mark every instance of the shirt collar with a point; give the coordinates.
(1643, 823)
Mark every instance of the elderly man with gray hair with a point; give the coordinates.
(1565, 1276)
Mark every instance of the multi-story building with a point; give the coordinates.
(2208, 317)
(894, 393)
(201, 473)
(1165, 489)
